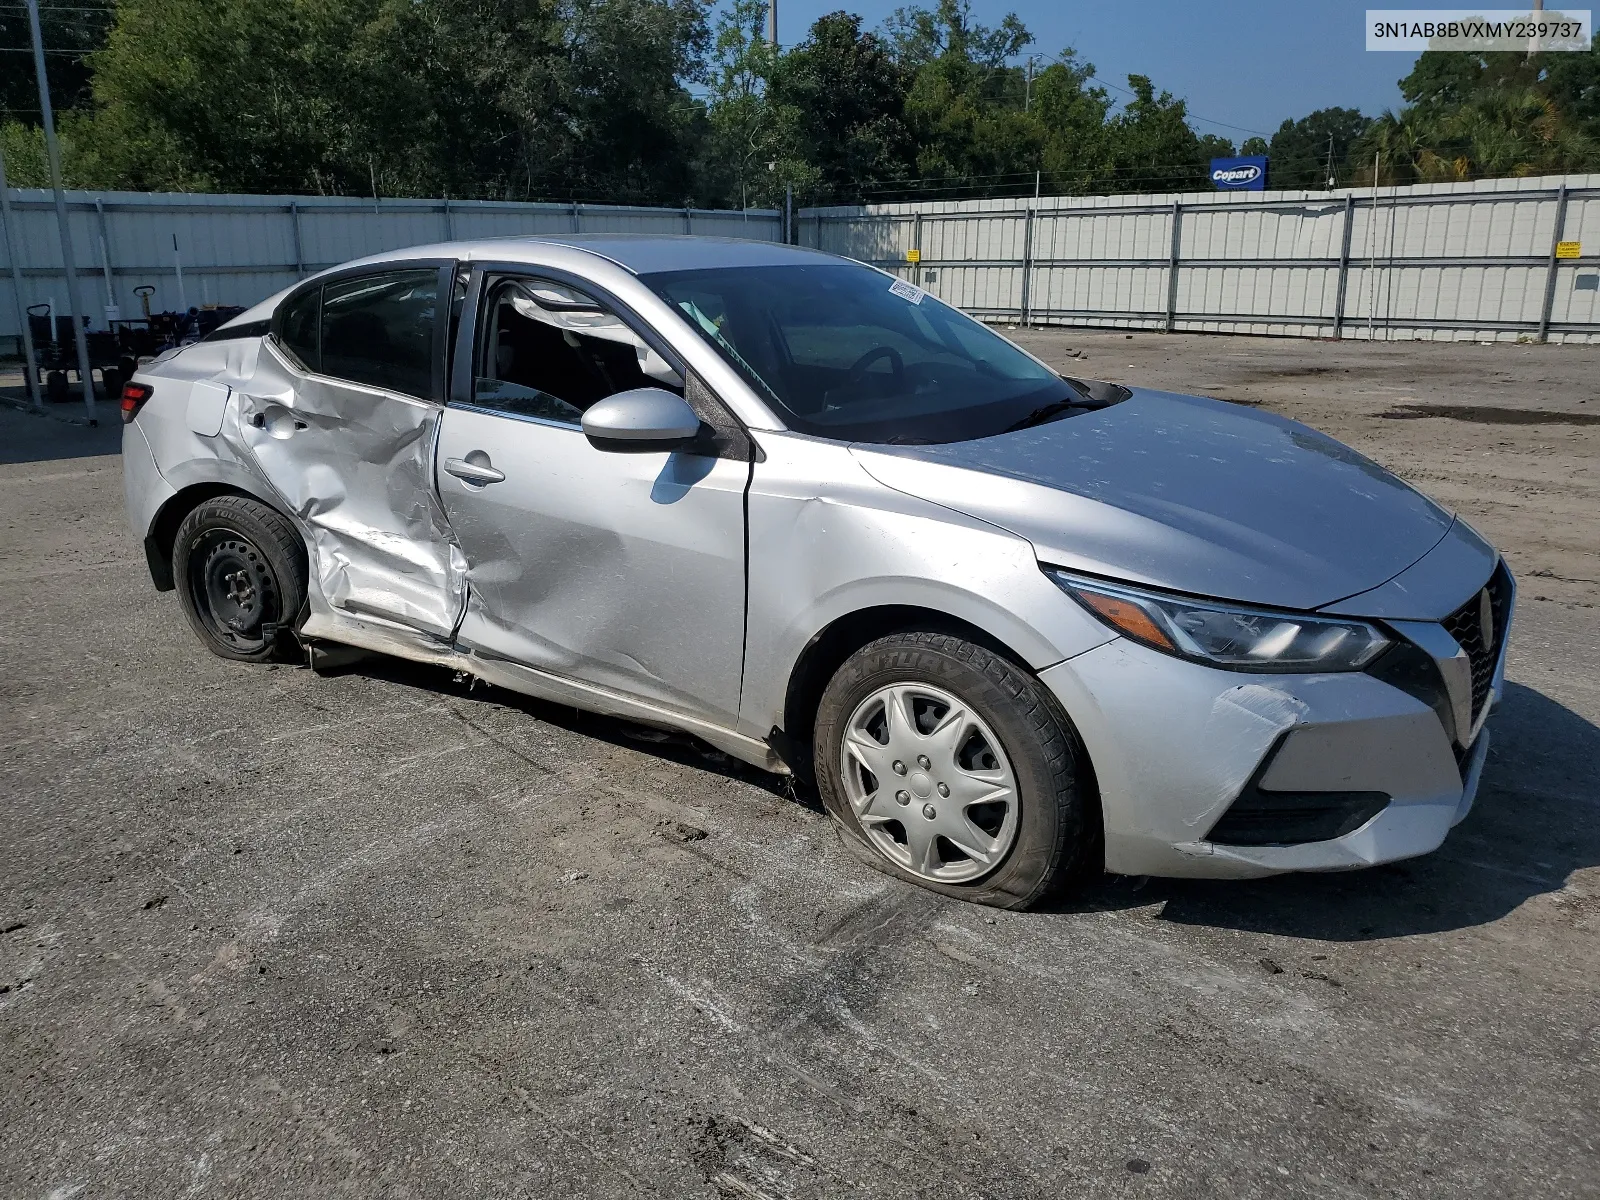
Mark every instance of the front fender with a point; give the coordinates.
(827, 541)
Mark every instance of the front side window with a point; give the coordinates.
(379, 330)
(846, 352)
(549, 351)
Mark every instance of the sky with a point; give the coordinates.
(1250, 64)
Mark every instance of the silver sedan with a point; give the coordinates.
(1018, 628)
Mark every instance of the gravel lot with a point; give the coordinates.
(370, 933)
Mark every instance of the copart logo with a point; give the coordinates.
(1234, 176)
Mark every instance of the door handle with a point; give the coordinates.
(259, 420)
(472, 472)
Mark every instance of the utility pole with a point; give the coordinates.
(1332, 182)
(772, 23)
(1027, 93)
(85, 375)
(31, 365)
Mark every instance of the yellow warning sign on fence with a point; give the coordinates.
(1569, 249)
(915, 256)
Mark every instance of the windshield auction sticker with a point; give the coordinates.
(1414, 29)
(907, 291)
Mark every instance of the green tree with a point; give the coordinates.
(744, 129)
(66, 25)
(1486, 115)
(840, 102)
(509, 99)
(964, 107)
(1153, 148)
(1303, 152)
(1070, 111)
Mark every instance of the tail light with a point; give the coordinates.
(133, 397)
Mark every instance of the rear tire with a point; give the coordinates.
(983, 792)
(240, 571)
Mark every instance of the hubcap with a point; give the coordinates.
(964, 818)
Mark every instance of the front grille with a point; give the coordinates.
(1466, 626)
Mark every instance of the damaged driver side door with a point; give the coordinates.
(342, 417)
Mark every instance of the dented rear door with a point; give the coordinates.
(342, 417)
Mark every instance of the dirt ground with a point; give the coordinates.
(268, 933)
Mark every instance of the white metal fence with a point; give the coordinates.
(241, 249)
(1472, 261)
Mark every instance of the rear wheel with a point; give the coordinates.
(947, 765)
(240, 570)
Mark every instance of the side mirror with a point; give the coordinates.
(642, 419)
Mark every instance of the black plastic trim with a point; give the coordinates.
(160, 565)
(250, 329)
(1259, 817)
(1407, 667)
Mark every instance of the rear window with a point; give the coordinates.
(379, 330)
(299, 331)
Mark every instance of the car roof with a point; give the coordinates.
(641, 253)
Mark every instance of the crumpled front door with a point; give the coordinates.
(354, 465)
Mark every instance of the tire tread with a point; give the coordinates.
(279, 539)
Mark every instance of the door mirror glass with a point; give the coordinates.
(646, 418)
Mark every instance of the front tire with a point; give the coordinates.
(240, 570)
(949, 766)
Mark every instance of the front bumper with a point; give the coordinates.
(1174, 744)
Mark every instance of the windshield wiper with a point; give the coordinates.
(1046, 412)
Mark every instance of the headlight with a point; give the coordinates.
(1226, 635)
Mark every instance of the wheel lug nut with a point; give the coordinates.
(929, 811)
(902, 797)
(944, 789)
(899, 767)
(922, 761)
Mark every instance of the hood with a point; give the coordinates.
(1183, 493)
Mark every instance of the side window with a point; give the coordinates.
(299, 331)
(379, 330)
(549, 351)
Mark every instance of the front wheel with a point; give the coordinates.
(240, 570)
(949, 766)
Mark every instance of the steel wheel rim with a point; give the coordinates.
(233, 589)
(929, 783)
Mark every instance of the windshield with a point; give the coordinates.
(846, 352)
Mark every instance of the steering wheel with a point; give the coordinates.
(896, 363)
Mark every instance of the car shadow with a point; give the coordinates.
(1532, 826)
(27, 436)
(681, 748)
